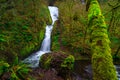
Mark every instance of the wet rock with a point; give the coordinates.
(43, 74)
(59, 61)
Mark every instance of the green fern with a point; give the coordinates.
(3, 67)
(18, 70)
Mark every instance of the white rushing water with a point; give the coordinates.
(33, 59)
(118, 71)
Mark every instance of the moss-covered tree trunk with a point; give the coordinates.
(102, 63)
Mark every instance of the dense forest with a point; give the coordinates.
(85, 40)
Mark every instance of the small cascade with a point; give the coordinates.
(33, 59)
(118, 71)
(45, 46)
(83, 1)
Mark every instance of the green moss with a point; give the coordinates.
(45, 63)
(68, 62)
(60, 61)
(55, 43)
(71, 26)
(102, 63)
(41, 35)
(45, 15)
(23, 27)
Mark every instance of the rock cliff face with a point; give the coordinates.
(22, 25)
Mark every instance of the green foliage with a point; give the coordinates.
(64, 42)
(3, 67)
(68, 62)
(2, 38)
(101, 52)
(41, 35)
(25, 27)
(45, 13)
(115, 40)
(22, 26)
(72, 26)
(114, 24)
(17, 70)
(55, 43)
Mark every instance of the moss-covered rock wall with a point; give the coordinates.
(71, 26)
(102, 63)
(22, 25)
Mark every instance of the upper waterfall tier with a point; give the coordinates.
(54, 13)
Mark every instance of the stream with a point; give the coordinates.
(83, 70)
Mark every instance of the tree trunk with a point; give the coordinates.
(102, 63)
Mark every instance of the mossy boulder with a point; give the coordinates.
(22, 27)
(63, 63)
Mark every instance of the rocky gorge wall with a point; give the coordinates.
(22, 27)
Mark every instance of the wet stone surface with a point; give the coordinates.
(83, 70)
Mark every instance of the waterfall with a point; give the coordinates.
(45, 46)
(33, 59)
(83, 1)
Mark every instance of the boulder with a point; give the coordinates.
(61, 62)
